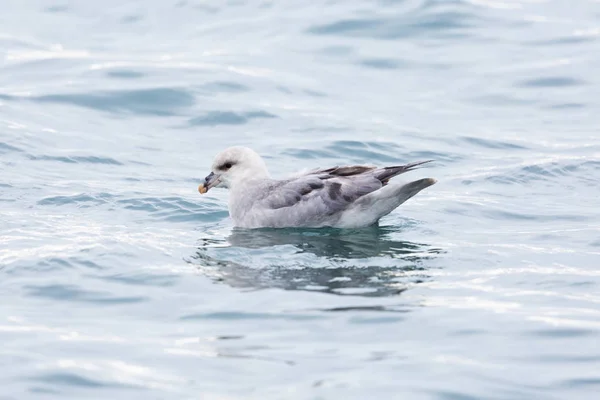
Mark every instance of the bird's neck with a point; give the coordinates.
(242, 192)
(240, 188)
(247, 178)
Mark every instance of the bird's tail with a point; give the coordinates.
(408, 190)
(383, 201)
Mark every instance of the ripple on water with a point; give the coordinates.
(383, 63)
(142, 279)
(74, 293)
(562, 41)
(155, 101)
(176, 209)
(224, 87)
(125, 74)
(132, 19)
(73, 379)
(492, 144)
(566, 106)
(366, 152)
(592, 383)
(77, 159)
(59, 381)
(449, 395)
(171, 209)
(550, 82)
(31, 264)
(82, 200)
(546, 172)
(215, 118)
(370, 152)
(431, 19)
(559, 333)
(27, 267)
(7, 148)
(502, 213)
(308, 154)
(500, 100)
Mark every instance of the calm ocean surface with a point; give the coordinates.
(119, 281)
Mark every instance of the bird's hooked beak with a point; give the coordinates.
(210, 181)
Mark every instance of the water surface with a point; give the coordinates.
(119, 280)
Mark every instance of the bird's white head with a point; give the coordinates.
(233, 166)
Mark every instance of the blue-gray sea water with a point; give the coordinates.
(118, 280)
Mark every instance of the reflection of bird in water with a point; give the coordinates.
(358, 262)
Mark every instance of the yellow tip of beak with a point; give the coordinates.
(202, 189)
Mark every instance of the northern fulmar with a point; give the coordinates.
(352, 196)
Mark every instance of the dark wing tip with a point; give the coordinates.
(389, 172)
(409, 166)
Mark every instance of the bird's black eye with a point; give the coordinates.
(228, 165)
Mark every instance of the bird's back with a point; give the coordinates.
(336, 197)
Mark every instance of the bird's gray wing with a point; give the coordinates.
(320, 195)
(311, 200)
(336, 186)
(336, 193)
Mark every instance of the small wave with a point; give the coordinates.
(308, 154)
(56, 9)
(175, 209)
(142, 279)
(26, 266)
(544, 172)
(77, 294)
(224, 87)
(566, 106)
(500, 100)
(82, 200)
(7, 148)
(562, 41)
(214, 118)
(550, 82)
(315, 93)
(562, 332)
(132, 19)
(505, 214)
(73, 380)
(125, 74)
(156, 101)
(368, 152)
(441, 21)
(492, 144)
(593, 384)
(437, 157)
(382, 63)
(77, 159)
